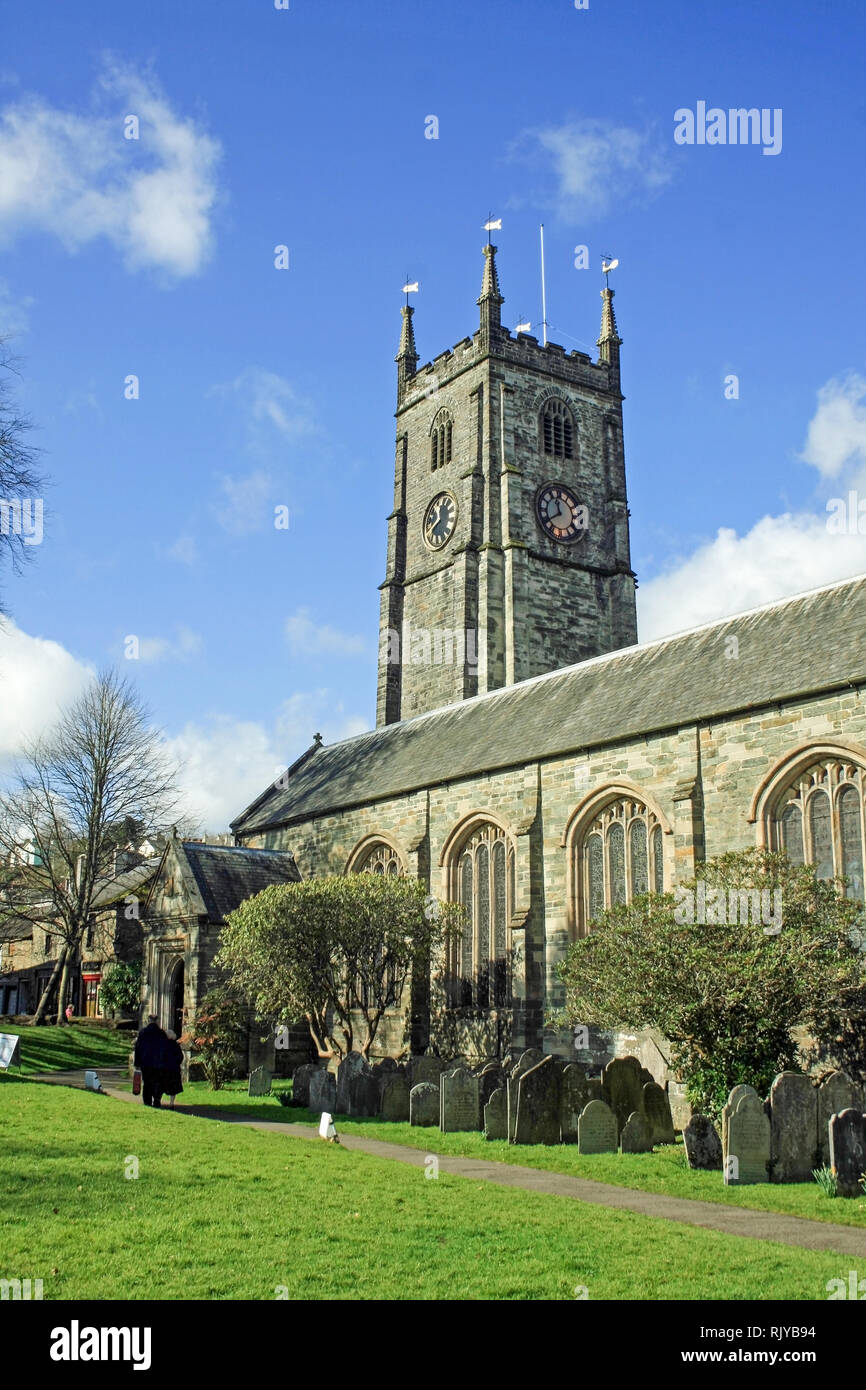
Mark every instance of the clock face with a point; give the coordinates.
(560, 514)
(439, 520)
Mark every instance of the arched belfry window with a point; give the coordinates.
(440, 440)
(557, 430)
(817, 817)
(618, 855)
(483, 883)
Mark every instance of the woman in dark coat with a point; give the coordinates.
(173, 1061)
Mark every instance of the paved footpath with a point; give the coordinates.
(712, 1216)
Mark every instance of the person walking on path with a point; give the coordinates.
(149, 1057)
(172, 1083)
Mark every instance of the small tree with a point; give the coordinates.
(73, 791)
(120, 990)
(217, 1033)
(337, 951)
(727, 993)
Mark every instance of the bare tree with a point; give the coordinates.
(72, 788)
(20, 482)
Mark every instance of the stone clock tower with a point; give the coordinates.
(508, 545)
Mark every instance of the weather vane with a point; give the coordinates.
(410, 289)
(607, 265)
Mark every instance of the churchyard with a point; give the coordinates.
(226, 1212)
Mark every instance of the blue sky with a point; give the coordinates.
(260, 387)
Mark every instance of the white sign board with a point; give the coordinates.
(9, 1050)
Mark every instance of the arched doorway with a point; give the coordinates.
(173, 998)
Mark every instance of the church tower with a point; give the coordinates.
(508, 544)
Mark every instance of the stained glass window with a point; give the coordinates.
(791, 832)
(639, 866)
(486, 890)
(822, 834)
(851, 835)
(620, 856)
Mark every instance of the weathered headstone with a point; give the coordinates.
(734, 1098)
(637, 1135)
(681, 1106)
(459, 1108)
(848, 1151)
(657, 1109)
(622, 1082)
(496, 1115)
(574, 1094)
(323, 1090)
(702, 1143)
(748, 1151)
(490, 1080)
(529, 1060)
(301, 1082)
(395, 1098)
(595, 1089)
(365, 1095)
(793, 1127)
(260, 1082)
(428, 1069)
(424, 1104)
(836, 1093)
(351, 1066)
(385, 1066)
(597, 1129)
(537, 1119)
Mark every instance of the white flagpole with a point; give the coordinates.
(543, 293)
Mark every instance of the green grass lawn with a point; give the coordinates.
(224, 1212)
(69, 1047)
(665, 1170)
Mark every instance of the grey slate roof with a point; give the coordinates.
(227, 875)
(129, 882)
(800, 646)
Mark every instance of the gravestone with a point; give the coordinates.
(512, 1082)
(364, 1094)
(848, 1151)
(681, 1108)
(260, 1082)
(748, 1142)
(424, 1104)
(323, 1090)
(351, 1066)
(597, 1129)
(637, 1135)
(459, 1108)
(703, 1145)
(428, 1069)
(574, 1094)
(621, 1079)
(496, 1115)
(537, 1119)
(656, 1107)
(728, 1109)
(836, 1093)
(530, 1058)
(490, 1080)
(395, 1098)
(793, 1127)
(301, 1082)
(595, 1089)
(507, 1065)
(646, 1076)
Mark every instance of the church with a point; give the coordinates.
(531, 759)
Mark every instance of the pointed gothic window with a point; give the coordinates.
(557, 430)
(485, 889)
(818, 819)
(380, 858)
(441, 435)
(619, 856)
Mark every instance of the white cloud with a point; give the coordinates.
(226, 763)
(77, 178)
(38, 677)
(837, 431)
(184, 550)
(596, 164)
(246, 504)
(779, 555)
(182, 647)
(309, 638)
(14, 312)
(270, 402)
